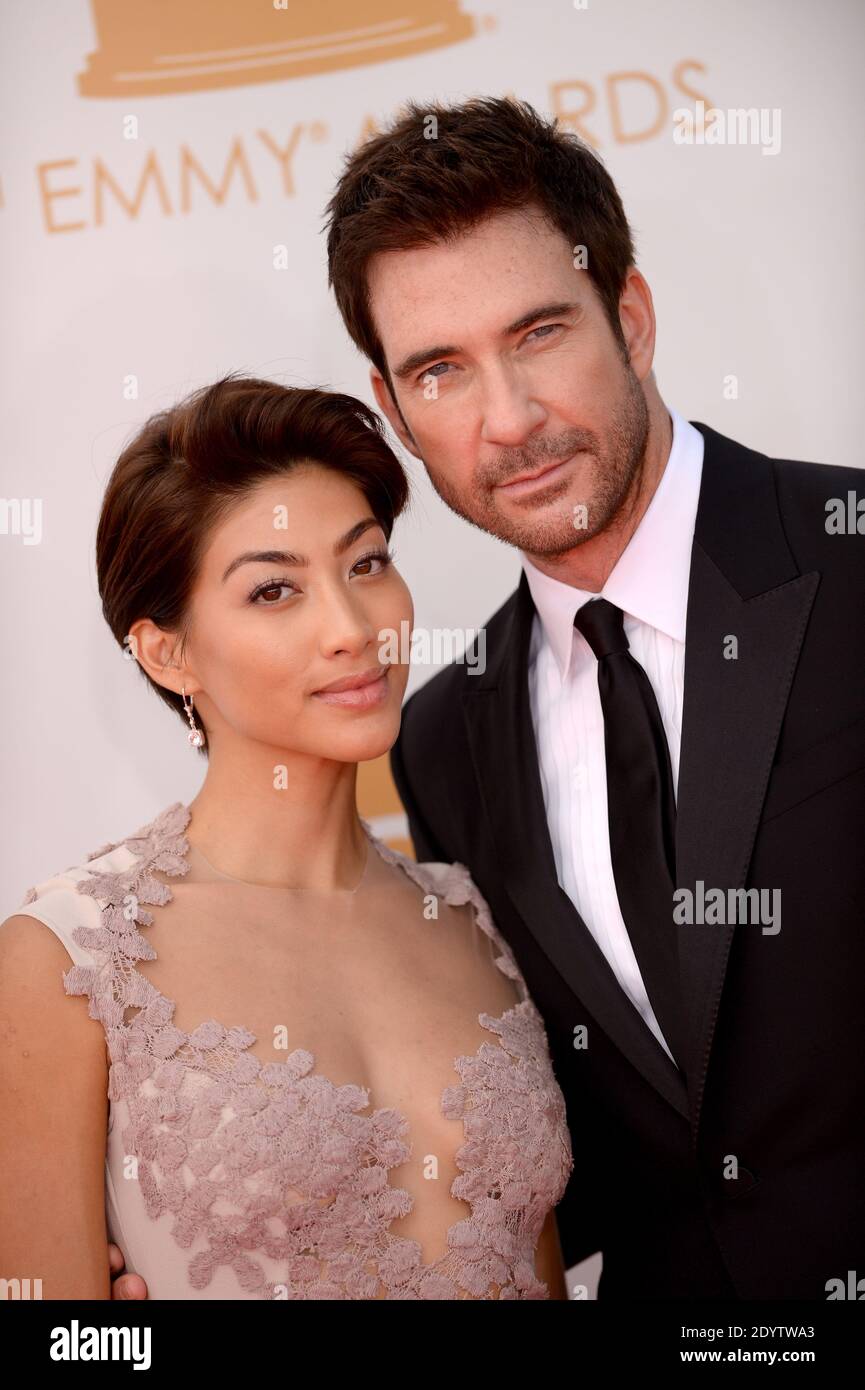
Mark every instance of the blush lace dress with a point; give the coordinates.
(231, 1177)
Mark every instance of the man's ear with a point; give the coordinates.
(637, 317)
(388, 406)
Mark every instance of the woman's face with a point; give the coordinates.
(267, 634)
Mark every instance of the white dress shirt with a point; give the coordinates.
(650, 584)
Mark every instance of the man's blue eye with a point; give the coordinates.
(429, 371)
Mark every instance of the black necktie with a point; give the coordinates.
(641, 812)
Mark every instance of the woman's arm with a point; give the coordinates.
(549, 1264)
(53, 1121)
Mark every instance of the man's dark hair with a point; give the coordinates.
(438, 170)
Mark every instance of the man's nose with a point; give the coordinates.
(509, 412)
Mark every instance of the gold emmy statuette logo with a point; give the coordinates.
(193, 45)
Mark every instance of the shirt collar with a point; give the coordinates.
(650, 579)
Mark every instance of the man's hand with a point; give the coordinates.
(123, 1285)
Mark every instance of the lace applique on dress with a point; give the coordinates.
(221, 1159)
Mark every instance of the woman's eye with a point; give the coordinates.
(272, 586)
(383, 557)
(268, 594)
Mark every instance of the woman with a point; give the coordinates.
(306, 1067)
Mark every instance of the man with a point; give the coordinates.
(672, 710)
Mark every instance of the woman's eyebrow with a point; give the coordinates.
(288, 557)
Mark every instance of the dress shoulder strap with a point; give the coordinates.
(455, 885)
(97, 907)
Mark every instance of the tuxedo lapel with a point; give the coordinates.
(745, 588)
(501, 736)
(744, 585)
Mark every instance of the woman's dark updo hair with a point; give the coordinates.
(189, 465)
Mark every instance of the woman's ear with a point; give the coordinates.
(155, 650)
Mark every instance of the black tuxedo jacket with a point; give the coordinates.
(742, 1174)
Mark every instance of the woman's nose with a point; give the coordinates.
(345, 624)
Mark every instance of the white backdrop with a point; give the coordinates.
(114, 309)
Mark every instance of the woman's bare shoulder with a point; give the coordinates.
(54, 1109)
(35, 1008)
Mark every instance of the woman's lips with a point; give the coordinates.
(362, 697)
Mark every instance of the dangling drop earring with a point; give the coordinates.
(195, 736)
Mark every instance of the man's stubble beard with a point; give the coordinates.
(618, 465)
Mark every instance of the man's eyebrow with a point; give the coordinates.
(288, 557)
(415, 360)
